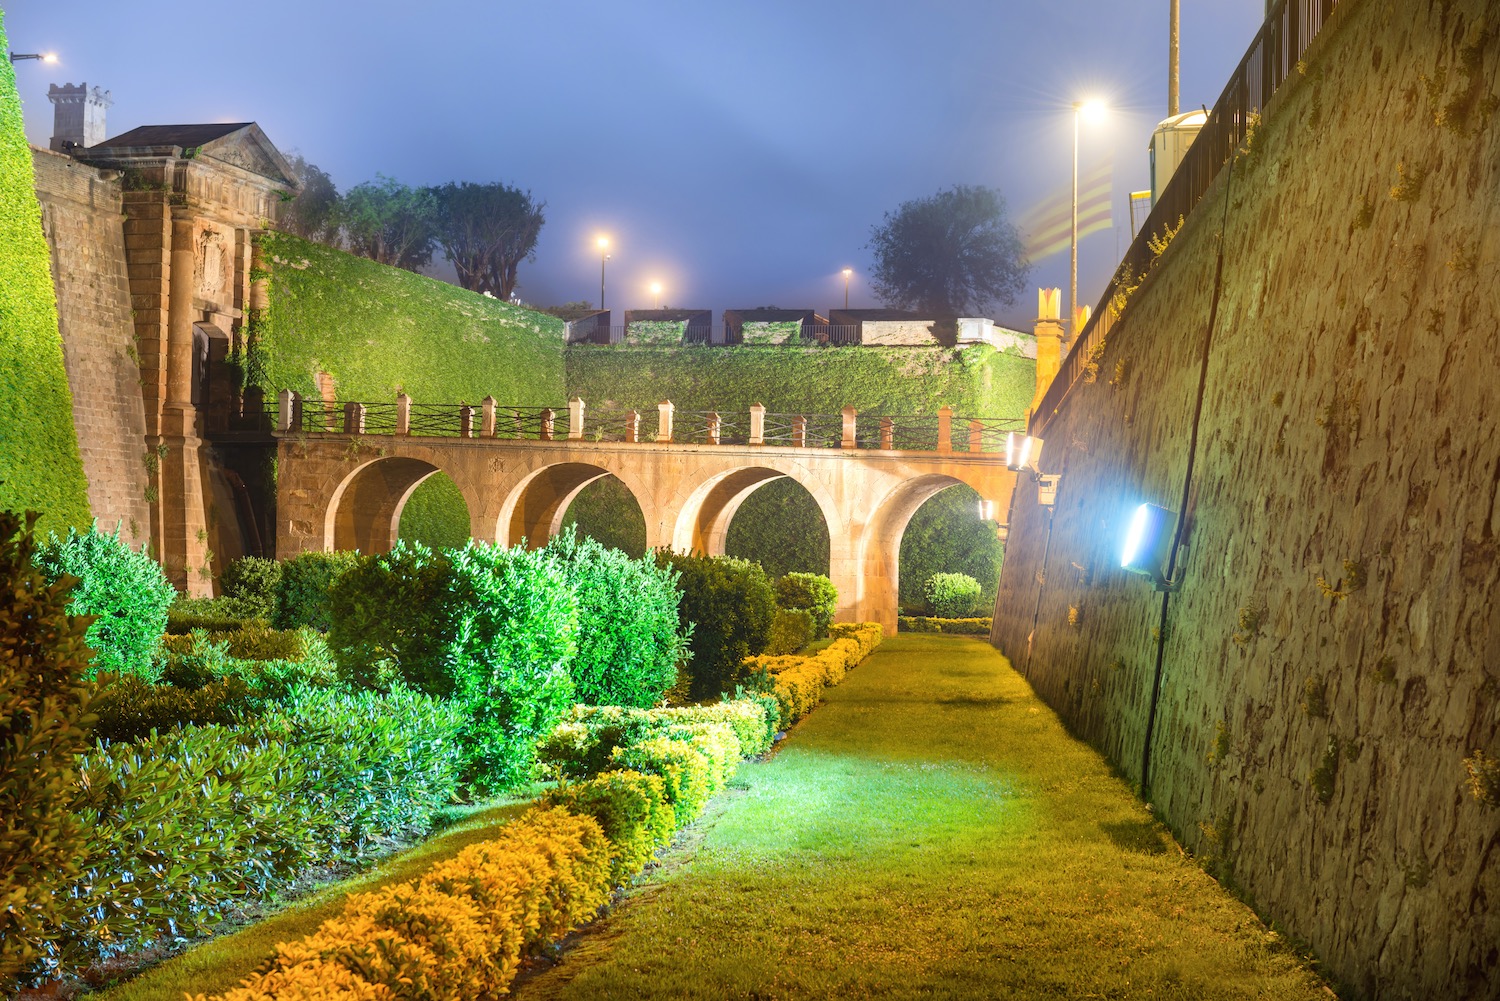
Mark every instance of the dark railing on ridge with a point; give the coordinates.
(1273, 56)
(941, 432)
(719, 335)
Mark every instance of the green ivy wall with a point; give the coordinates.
(40, 467)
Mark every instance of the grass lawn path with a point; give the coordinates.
(930, 831)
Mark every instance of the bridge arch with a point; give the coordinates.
(364, 510)
(879, 546)
(702, 523)
(534, 508)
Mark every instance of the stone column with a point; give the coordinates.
(184, 522)
(1049, 342)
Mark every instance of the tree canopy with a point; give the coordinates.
(486, 230)
(948, 255)
(389, 223)
(313, 214)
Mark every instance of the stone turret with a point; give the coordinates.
(78, 116)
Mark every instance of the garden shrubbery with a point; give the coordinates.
(812, 593)
(124, 590)
(729, 605)
(951, 595)
(798, 682)
(791, 630)
(958, 627)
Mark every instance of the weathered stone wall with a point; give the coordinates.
(1333, 656)
(81, 217)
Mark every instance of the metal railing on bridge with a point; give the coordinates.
(940, 432)
(650, 333)
(1274, 55)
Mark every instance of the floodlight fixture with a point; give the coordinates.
(1022, 453)
(46, 57)
(1148, 545)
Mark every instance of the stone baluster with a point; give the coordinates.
(664, 411)
(354, 418)
(945, 429)
(848, 439)
(403, 414)
(715, 425)
(288, 411)
(757, 425)
(575, 418)
(549, 424)
(466, 421)
(487, 417)
(633, 426)
(976, 436)
(799, 431)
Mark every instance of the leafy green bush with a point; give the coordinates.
(380, 763)
(947, 535)
(130, 708)
(214, 614)
(181, 825)
(515, 633)
(632, 810)
(606, 510)
(812, 592)
(629, 636)
(250, 655)
(729, 604)
(957, 627)
(305, 583)
(253, 583)
(584, 742)
(685, 771)
(493, 628)
(124, 589)
(791, 630)
(45, 714)
(951, 595)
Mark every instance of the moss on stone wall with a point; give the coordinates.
(40, 468)
(377, 330)
(977, 381)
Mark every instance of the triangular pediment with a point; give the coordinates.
(249, 149)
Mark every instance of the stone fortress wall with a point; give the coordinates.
(81, 218)
(1331, 664)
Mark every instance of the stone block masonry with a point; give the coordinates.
(81, 213)
(1331, 664)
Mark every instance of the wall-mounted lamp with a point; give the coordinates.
(1022, 453)
(1046, 488)
(986, 510)
(1148, 545)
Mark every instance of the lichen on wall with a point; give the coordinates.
(1330, 682)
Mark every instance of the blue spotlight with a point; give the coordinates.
(1148, 544)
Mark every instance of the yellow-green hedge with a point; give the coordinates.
(929, 624)
(800, 680)
(458, 931)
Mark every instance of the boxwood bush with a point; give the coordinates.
(729, 604)
(44, 723)
(125, 591)
(630, 638)
(632, 810)
(306, 580)
(951, 595)
(791, 630)
(812, 593)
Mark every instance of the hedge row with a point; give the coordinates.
(799, 681)
(959, 627)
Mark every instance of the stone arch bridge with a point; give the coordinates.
(345, 470)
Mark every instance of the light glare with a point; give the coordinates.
(1134, 535)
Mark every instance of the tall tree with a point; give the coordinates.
(952, 254)
(313, 213)
(389, 222)
(487, 230)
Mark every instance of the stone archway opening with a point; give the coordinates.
(607, 511)
(948, 533)
(780, 526)
(435, 514)
(536, 509)
(364, 512)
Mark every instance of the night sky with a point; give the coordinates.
(737, 152)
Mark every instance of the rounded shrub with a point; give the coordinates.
(951, 595)
(253, 585)
(124, 590)
(305, 583)
(812, 593)
(390, 618)
(728, 603)
(629, 635)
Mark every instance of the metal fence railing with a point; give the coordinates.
(838, 335)
(1289, 29)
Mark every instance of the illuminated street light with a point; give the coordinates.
(1093, 111)
(848, 273)
(603, 244)
(1148, 545)
(46, 57)
(656, 295)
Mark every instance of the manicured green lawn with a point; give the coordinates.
(931, 831)
(223, 962)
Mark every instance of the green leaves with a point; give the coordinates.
(729, 605)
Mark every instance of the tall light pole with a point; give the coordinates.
(848, 273)
(656, 295)
(46, 57)
(603, 245)
(1091, 109)
(1175, 16)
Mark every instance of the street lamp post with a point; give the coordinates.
(603, 244)
(656, 295)
(848, 272)
(1080, 108)
(46, 57)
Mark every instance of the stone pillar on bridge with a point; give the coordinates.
(1049, 341)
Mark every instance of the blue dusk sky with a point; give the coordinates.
(737, 152)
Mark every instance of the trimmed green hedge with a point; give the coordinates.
(40, 468)
(378, 330)
(976, 380)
